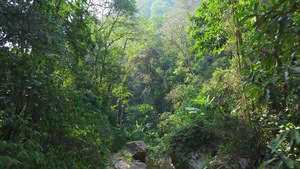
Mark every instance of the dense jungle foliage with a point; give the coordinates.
(80, 78)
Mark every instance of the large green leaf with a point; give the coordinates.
(278, 165)
(296, 69)
(295, 135)
(263, 165)
(289, 162)
(277, 141)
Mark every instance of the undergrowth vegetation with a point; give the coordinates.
(79, 79)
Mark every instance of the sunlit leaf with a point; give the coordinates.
(278, 140)
(266, 163)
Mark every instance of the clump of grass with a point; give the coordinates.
(126, 155)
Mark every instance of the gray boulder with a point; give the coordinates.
(138, 165)
(194, 160)
(122, 165)
(138, 150)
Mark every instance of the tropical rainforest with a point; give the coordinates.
(80, 78)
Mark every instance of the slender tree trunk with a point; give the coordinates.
(236, 37)
(238, 54)
(103, 64)
(121, 118)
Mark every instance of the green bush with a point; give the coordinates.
(191, 136)
(143, 113)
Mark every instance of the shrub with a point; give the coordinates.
(190, 136)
